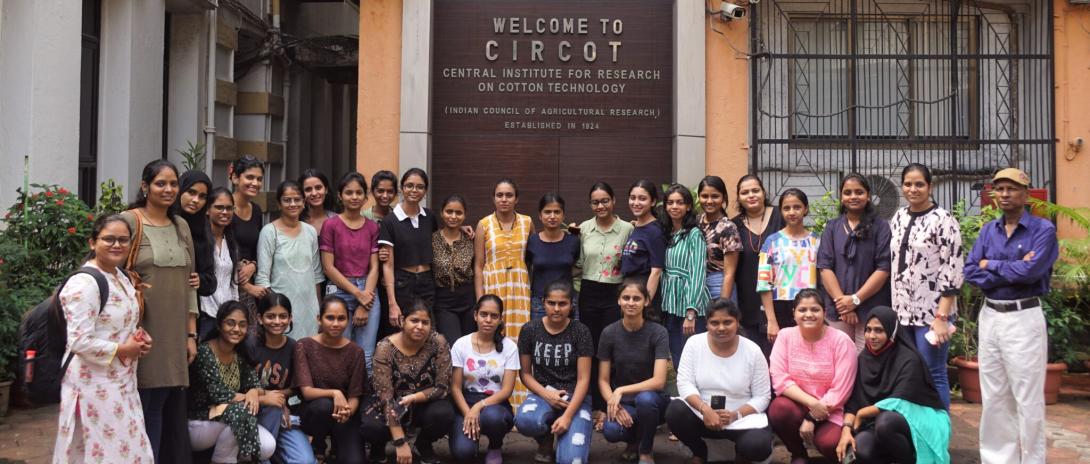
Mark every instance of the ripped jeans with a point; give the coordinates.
(535, 419)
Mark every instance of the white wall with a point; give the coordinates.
(39, 97)
(186, 83)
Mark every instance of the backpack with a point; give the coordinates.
(45, 330)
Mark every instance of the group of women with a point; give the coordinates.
(335, 331)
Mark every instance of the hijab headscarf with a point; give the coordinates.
(894, 371)
(199, 229)
(198, 221)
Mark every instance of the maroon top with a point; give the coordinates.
(351, 248)
(319, 366)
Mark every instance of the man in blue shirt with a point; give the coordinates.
(1011, 262)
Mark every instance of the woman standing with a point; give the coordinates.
(551, 253)
(721, 235)
(320, 202)
(499, 267)
(331, 376)
(224, 257)
(788, 263)
(632, 374)
(813, 369)
(644, 255)
(412, 380)
(349, 248)
(384, 192)
(406, 235)
(192, 206)
(928, 267)
(555, 355)
(756, 220)
(452, 262)
(713, 405)
(485, 366)
(684, 293)
(288, 260)
(162, 254)
(226, 396)
(894, 414)
(602, 239)
(247, 176)
(854, 260)
(104, 343)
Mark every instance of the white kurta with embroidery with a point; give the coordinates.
(101, 419)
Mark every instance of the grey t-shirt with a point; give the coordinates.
(632, 355)
(555, 358)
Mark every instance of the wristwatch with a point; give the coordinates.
(192, 335)
(690, 316)
(855, 299)
(398, 442)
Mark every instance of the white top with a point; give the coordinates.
(226, 288)
(742, 378)
(483, 372)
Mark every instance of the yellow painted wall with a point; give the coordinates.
(727, 111)
(1072, 106)
(379, 114)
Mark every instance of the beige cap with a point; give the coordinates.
(1014, 175)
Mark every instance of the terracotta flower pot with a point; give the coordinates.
(969, 379)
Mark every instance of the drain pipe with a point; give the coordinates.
(210, 109)
(285, 94)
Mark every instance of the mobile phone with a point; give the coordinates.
(719, 402)
(849, 455)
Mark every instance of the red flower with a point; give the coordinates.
(90, 217)
(60, 202)
(63, 191)
(72, 230)
(7, 215)
(48, 193)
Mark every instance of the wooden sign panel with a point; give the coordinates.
(555, 94)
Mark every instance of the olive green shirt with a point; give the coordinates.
(600, 251)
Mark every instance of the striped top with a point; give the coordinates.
(683, 285)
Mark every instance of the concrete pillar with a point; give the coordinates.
(689, 107)
(39, 98)
(187, 79)
(131, 92)
(415, 135)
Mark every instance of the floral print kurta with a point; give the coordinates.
(210, 387)
(101, 419)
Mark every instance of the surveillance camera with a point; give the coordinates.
(729, 11)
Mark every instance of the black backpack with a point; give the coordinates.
(45, 330)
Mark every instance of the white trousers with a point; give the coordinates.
(1013, 353)
(207, 434)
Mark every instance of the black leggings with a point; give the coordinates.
(890, 440)
(597, 309)
(434, 419)
(318, 423)
(453, 311)
(754, 445)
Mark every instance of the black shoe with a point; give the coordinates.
(377, 455)
(427, 454)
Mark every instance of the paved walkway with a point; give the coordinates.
(27, 435)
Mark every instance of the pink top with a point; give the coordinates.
(351, 248)
(824, 369)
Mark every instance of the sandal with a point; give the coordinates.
(631, 453)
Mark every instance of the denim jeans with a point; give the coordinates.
(366, 336)
(673, 326)
(934, 357)
(648, 411)
(714, 281)
(535, 418)
(495, 421)
(292, 445)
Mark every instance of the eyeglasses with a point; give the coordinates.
(600, 202)
(420, 187)
(292, 200)
(224, 208)
(111, 240)
(235, 324)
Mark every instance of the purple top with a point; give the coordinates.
(351, 248)
(1007, 276)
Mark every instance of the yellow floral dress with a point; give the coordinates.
(506, 276)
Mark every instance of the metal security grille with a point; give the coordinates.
(869, 86)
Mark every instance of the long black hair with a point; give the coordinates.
(225, 310)
(652, 191)
(716, 183)
(147, 176)
(688, 222)
(270, 301)
(497, 337)
(330, 200)
(640, 284)
(867, 221)
(228, 230)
